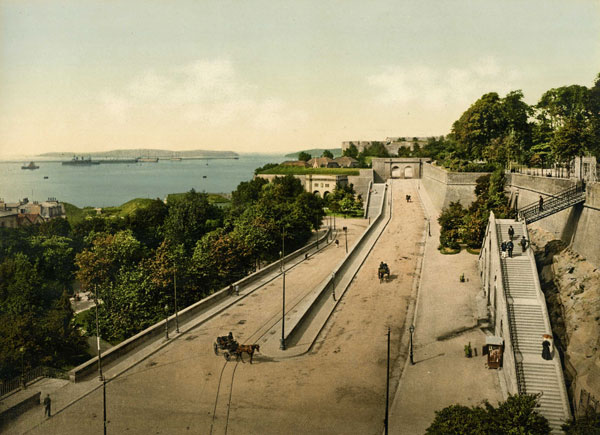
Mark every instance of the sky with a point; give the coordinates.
(273, 76)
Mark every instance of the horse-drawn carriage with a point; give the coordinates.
(225, 345)
(383, 272)
(228, 347)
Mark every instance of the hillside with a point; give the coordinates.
(316, 152)
(143, 152)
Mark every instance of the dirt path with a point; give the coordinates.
(339, 387)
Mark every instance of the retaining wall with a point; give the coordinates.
(361, 182)
(490, 271)
(444, 187)
(323, 292)
(577, 226)
(158, 329)
(23, 406)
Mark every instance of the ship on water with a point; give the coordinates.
(81, 161)
(148, 159)
(31, 165)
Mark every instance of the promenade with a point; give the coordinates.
(445, 321)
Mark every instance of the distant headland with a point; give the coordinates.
(153, 153)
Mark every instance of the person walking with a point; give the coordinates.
(47, 405)
(511, 232)
(509, 247)
(541, 203)
(503, 249)
(523, 243)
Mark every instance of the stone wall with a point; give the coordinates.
(361, 182)
(576, 226)
(396, 167)
(444, 187)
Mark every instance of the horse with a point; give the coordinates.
(248, 348)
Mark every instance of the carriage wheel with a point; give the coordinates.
(216, 349)
(227, 356)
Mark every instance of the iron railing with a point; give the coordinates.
(18, 382)
(556, 203)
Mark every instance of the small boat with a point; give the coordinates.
(31, 165)
(204, 176)
(45, 177)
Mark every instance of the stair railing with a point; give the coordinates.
(555, 203)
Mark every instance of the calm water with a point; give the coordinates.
(113, 184)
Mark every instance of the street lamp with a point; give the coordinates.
(175, 289)
(22, 350)
(282, 344)
(166, 321)
(100, 377)
(346, 236)
(412, 330)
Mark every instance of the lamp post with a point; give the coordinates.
(22, 350)
(100, 377)
(346, 237)
(282, 343)
(411, 329)
(166, 321)
(175, 289)
(317, 228)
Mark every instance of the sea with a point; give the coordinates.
(113, 184)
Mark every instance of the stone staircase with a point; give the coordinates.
(377, 194)
(528, 323)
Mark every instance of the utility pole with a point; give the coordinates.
(104, 402)
(282, 344)
(333, 284)
(346, 236)
(387, 385)
(175, 288)
(100, 377)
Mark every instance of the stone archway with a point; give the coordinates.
(408, 172)
(316, 192)
(396, 172)
(325, 194)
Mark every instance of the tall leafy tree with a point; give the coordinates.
(304, 156)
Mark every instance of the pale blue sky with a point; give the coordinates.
(273, 75)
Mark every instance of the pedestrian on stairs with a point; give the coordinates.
(503, 249)
(541, 203)
(510, 246)
(47, 406)
(523, 243)
(511, 232)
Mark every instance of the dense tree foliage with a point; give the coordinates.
(516, 415)
(468, 225)
(587, 424)
(304, 156)
(132, 264)
(328, 154)
(344, 200)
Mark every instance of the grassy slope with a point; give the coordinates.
(75, 214)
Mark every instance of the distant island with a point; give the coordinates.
(316, 152)
(141, 152)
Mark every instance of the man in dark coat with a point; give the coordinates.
(523, 243)
(511, 232)
(541, 203)
(47, 405)
(510, 246)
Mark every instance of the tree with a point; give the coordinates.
(351, 151)
(146, 223)
(327, 153)
(451, 220)
(304, 156)
(587, 424)
(190, 217)
(516, 415)
(480, 124)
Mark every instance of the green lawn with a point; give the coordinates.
(76, 214)
(296, 170)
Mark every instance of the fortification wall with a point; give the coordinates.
(444, 187)
(576, 226)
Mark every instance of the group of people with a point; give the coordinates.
(508, 246)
